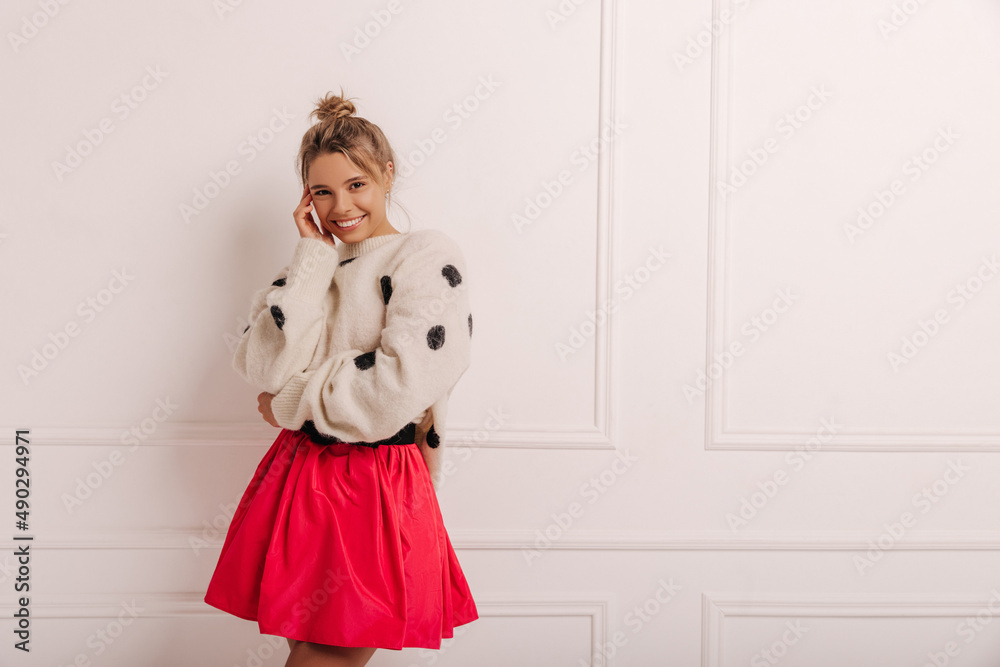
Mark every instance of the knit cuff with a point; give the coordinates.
(311, 270)
(285, 404)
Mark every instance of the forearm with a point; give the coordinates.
(422, 351)
(287, 319)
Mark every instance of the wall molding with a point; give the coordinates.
(599, 435)
(239, 434)
(200, 541)
(717, 436)
(192, 605)
(718, 606)
(852, 440)
(605, 348)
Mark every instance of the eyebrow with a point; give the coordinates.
(350, 180)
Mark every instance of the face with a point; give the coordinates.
(341, 193)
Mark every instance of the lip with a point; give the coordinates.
(359, 219)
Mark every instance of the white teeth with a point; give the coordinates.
(349, 223)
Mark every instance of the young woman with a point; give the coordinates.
(338, 542)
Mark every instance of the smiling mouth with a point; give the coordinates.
(347, 224)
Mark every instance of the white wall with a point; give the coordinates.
(571, 547)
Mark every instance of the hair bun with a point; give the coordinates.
(332, 107)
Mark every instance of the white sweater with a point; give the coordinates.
(362, 341)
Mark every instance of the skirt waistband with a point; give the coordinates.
(404, 436)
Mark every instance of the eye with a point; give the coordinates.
(357, 183)
(320, 192)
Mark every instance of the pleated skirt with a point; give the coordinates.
(342, 544)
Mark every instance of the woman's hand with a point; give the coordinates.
(304, 221)
(264, 408)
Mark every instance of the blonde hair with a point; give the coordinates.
(339, 130)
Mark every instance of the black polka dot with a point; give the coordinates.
(435, 337)
(386, 288)
(470, 325)
(365, 361)
(280, 282)
(347, 261)
(246, 330)
(432, 438)
(279, 317)
(451, 274)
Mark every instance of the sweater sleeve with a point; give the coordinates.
(424, 348)
(287, 318)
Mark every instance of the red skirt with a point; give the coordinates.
(342, 544)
